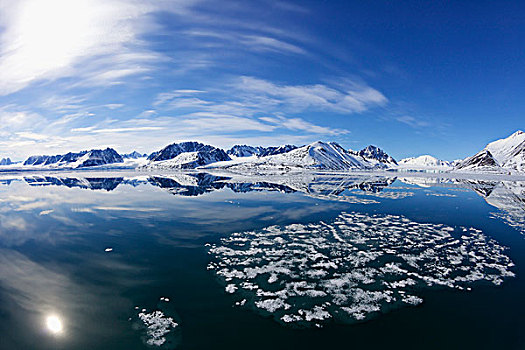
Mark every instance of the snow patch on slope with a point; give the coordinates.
(503, 150)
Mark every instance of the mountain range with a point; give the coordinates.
(377, 155)
(318, 155)
(82, 159)
(134, 155)
(6, 161)
(248, 151)
(504, 156)
(186, 155)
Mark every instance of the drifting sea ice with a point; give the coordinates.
(354, 268)
(156, 326)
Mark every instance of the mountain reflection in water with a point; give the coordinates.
(507, 196)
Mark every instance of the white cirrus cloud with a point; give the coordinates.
(116, 130)
(412, 121)
(349, 98)
(49, 39)
(250, 42)
(299, 124)
(14, 118)
(250, 95)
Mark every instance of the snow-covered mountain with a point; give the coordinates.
(318, 155)
(270, 151)
(504, 155)
(186, 155)
(506, 149)
(375, 154)
(82, 159)
(259, 151)
(425, 162)
(245, 151)
(482, 161)
(321, 155)
(133, 155)
(455, 162)
(6, 161)
(516, 162)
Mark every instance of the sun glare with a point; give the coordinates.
(54, 30)
(54, 324)
(48, 35)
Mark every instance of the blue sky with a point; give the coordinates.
(413, 77)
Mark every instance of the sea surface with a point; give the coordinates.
(298, 261)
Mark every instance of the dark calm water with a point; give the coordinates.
(90, 261)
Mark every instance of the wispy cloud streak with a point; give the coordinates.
(99, 40)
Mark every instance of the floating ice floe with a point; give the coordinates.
(434, 194)
(386, 194)
(344, 198)
(354, 268)
(157, 327)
